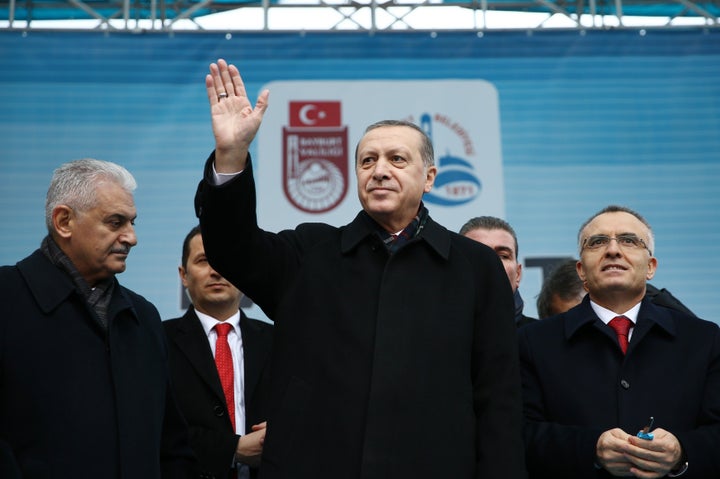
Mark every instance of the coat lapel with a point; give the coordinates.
(192, 341)
(649, 317)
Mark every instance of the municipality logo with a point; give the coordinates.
(315, 166)
(456, 182)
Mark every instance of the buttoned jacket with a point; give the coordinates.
(578, 384)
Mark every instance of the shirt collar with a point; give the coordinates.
(606, 315)
(208, 322)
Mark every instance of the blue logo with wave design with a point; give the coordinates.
(456, 182)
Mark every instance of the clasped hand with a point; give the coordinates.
(250, 446)
(626, 455)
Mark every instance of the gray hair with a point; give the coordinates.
(489, 223)
(618, 209)
(426, 148)
(74, 184)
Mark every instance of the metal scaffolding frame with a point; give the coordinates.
(364, 15)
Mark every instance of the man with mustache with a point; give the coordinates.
(226, 432)
(595, 375)
(84, 385)
(395, 353)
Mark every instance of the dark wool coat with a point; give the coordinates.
(577, 384)
(76, 402)
(384, 367)
(199, 392)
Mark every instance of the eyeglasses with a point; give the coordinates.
(627, 241)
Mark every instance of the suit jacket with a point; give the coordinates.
(77, 401)
(200, 395)
(577, 384)
(384, 366)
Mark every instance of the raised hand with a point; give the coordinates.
(234, 120)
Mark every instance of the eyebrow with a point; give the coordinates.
(393, 150)
(503, 249)
(119, 216)
(616, 234)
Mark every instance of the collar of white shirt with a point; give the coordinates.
(208, 322)
(606, 315)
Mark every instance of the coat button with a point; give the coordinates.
(625, 384)
(219, 410)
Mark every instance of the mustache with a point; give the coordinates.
(385, 185)
(122, 250)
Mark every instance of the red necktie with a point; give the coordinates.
(621, 325)
(224, 364)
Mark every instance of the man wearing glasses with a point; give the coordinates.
(596, 376)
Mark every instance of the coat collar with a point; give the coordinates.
(50, 286)
(361, 228)
(649, 316)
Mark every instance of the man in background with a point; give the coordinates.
(226, 419)
(500, 236)
(561, 290)
(84, 387)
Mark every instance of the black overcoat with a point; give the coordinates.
(578, 384)
(384, 367)
(77, 402)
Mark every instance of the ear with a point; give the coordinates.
(430, 178)
(519, 276)
(580, 270)
(62, 220)
(652, 267)
(183, 276)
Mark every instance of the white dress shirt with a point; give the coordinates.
(236, 349)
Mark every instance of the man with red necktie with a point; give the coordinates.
(594, 375)
(219, 368)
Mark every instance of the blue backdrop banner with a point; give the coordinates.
(577, 120)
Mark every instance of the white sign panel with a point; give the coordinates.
(305, 158)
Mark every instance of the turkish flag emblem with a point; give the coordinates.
(315, 156)
(316, 114)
